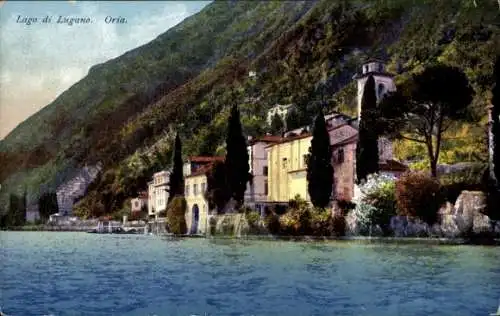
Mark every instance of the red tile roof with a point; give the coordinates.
(205, 158)
(292, 138)
(266, 139)
(202, 170)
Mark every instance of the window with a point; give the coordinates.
(380, 67)
(265, 170)
(306, 159)
(284, 163)
(380, 90)
(203, 188)
(340, 155)
(266, 188)
(195, 189)
(365, 69)
(187, 190)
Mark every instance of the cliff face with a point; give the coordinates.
(181, 80)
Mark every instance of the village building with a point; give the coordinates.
(257, 188)
(196, 170)
(384, 81)
(138, 204)
(158, 194)
(287, 159)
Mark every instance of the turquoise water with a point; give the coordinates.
(87, 274)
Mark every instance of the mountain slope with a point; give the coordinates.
(182, 80)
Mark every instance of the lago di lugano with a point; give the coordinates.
(234, 158)
(66, 273)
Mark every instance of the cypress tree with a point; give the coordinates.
(495, 102)
(367, 158)
(277, 125)
(319, 164)
(292, 120)
(176, 180)
(237, 167)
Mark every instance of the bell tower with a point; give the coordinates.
(383, 80)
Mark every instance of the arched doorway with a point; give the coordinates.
(195, 219)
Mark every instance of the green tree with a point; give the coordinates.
(367, 160)
(47, 205)
(176, 216)
(236, 162)
(176, 180)
(426, 106)
(17, 211)
(319, 164)
(292, 120)
(217, 193)
(277, 126)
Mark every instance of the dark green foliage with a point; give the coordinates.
(419, 195)
(429, 103)
(47, 205)
(495, 128)
(17, 212)
(176, 216)
(367, 147)
(237, 168)
(277, 126)
(176, 180)
(217, 193)
(292, 120)
(319, 164)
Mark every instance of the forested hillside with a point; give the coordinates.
(124, 111)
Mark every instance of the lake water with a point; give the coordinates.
(87, 274)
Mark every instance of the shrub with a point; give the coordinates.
(322, 223)
(176, 219)
(377, 203)
(419, 195)
(363, 215)
(272, 222)
(383, 200)
(296, 221)
(252, 218)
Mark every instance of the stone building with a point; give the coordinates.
(73, 189)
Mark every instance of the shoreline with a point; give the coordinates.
(373, 239)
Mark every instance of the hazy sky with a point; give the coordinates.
(41, 60)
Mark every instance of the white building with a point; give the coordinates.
(383, 80)
(257, 188)
(158, 193)
(280, 109)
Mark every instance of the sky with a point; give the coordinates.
(41, 60)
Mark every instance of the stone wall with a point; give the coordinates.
(464, 219)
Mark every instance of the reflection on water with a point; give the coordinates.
(88, 274)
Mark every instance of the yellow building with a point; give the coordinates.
(195, 185)
(197, 206)
(287, 161)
